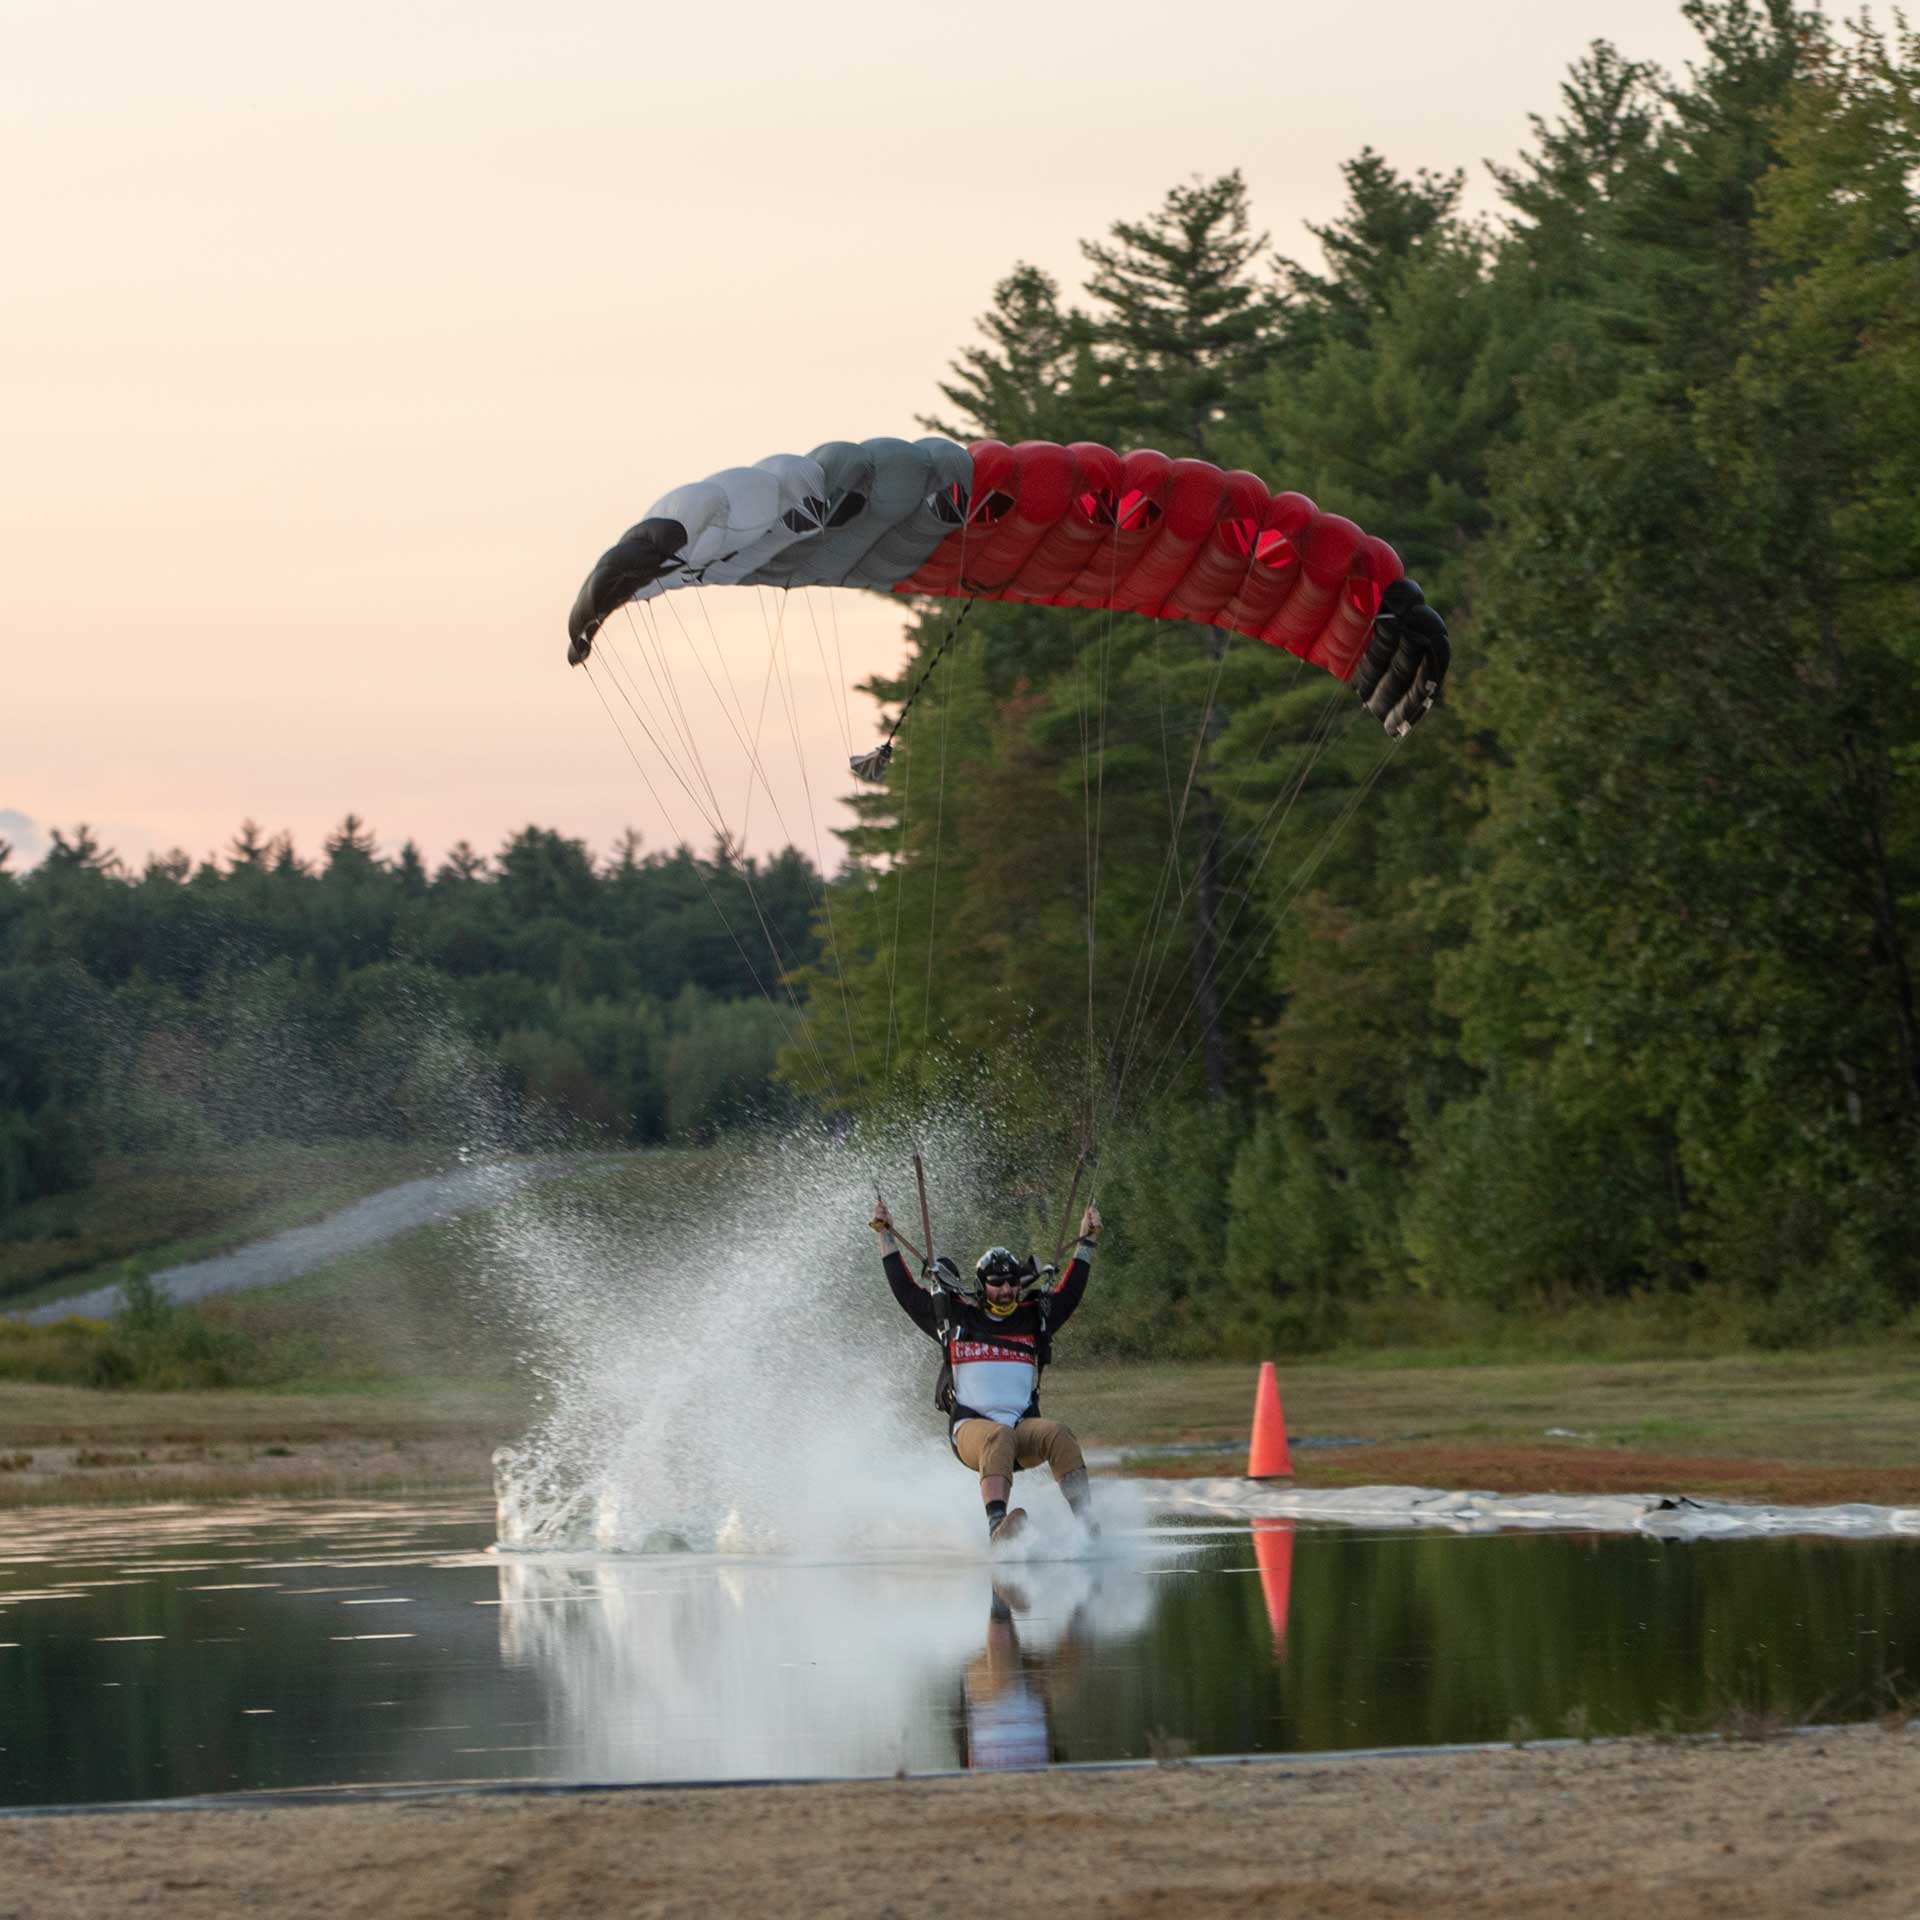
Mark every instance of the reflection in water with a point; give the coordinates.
(1007, 1690)
(164, 1652)
(676, 1667)
(1273, 1555)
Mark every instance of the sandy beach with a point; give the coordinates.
(1810, 1822)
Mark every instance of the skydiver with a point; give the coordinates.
(996, 1336)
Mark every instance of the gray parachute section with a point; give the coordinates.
(861, 513)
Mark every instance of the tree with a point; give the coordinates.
(351, 849)
(1388, 223)
(247, 851)
(1019, 385)
(1181, 323)
(1686, 936)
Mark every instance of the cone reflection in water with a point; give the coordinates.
(1273, 1553)
(1268, 1459)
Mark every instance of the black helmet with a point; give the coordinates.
(997, 1263)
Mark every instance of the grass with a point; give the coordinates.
(394, 1368)
(1804, 1428)
(162, 1212)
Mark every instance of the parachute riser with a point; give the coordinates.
(873, 765)
(1080, 1166)
(926, 1217)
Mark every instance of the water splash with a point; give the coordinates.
(724, 1366)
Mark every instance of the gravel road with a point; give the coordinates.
(286, 1256)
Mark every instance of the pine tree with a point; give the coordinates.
(247, 851)
(1388, 223)
(1021, 383)
(1181, 322)
(461, 867)
(351, 848)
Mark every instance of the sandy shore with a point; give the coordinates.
(1821, 1823)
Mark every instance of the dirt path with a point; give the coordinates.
(301, 1250)
(1814, 1823)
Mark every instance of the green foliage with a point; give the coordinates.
(150, 1344)
(1607, 992)
(1596, 997)
(496, 1003)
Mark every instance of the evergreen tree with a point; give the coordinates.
(1020, 384)
(1181, 321)
(1387, 224)
(247, 851)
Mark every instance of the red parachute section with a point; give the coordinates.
(1083, 526)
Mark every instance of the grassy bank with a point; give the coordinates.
(1807, 1431)
(399, 1367)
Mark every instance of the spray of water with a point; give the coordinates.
(724, 1367)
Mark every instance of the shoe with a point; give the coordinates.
(1010, 1526)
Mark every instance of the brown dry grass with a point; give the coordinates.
(83, 1445)
(1801, 1429)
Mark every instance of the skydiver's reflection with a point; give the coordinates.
(1007, 1692)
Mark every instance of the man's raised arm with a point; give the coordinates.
(914, 1299)
(1073, 1283)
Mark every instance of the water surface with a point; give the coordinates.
(165, 1652)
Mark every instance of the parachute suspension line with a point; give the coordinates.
(1301, 878)
(790, 701)
(1157, 910)
(1297, 883)
(1099, 806)
(1166, 756)
(676, 707)
(892, 952)
(805, 1038)
(717, 822)
(775, 629)
(755, 766)
(826, 672)
(1086, 837)
(1073, 1193)
(686, 773)
(939, 826)
(766, 687)
(686, 776)
(840, 674)
(1151, 936)
(1316, 744)
(1318, 740)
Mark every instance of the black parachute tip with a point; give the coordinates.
(1399, 676)
(641, 555)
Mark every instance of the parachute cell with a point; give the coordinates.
(1047, 525)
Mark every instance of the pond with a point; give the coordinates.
(163, 1652)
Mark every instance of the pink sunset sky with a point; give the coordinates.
(335, 344)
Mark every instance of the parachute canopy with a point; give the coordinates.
(1046, 525)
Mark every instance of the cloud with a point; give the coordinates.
(23, 835)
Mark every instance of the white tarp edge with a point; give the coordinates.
(1669, 1516)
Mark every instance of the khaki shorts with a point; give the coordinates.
(994, 1451)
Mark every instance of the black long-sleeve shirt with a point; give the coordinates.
(987, 1355)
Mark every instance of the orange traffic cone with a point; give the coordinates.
(1268, 1458)
(1273, 1554)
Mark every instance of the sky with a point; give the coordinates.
(336, 343)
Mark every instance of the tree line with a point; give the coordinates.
(1606, 986)
(1600, 985)
(494, 999)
